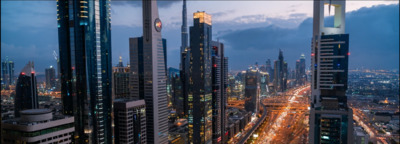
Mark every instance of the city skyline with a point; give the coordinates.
(226, 34)
(272, 75)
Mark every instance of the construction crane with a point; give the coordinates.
(55, 55)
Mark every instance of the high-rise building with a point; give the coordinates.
(4, 74)
(199, 79)
(184, 33)
(280, 73)
(264, 80)
(50, 77)
(297, 75)
(219, 96)
(11, 72)
(175, 91)
(129, 121)
(38, 126)
(252, 90)
(301, 70)
(148, 74)
(331, 120)
(184, 63)
(84, 35)
(7, 73)
(26, 91)
(120, 78)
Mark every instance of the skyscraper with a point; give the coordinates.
(184, 33)
(84, 35)
(4, 73)
(264, 80)
(301, 70)
(7, 73)
(175, 91)
(331, 120)
(184, 63)
(280, 73)
(297, 72)
(50, 77)
(199, 79)
(26, 90)
(11, 72)
(252, 90)
(219, 96)
(120, 78)
(148, 74)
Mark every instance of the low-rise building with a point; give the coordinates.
(360, 136)
(38, 126)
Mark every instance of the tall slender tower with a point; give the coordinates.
(11, 72)
(331, 120)
(280, 73)
(219, 97)
(148, 74)
(84, 35)
(184, 33)
(184, 63)
(5, 73)
(199, 80)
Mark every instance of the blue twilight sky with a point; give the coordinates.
(253, 31)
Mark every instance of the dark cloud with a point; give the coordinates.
(374, 34)
(138, 3)
(298, 15)
(222, 13)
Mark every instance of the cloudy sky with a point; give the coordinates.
(253, 31)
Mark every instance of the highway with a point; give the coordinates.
(286, 120)
(248, 134)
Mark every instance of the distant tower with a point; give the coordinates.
(280, 73)
(148, 74)
(252, 90)
(11, 72)
(26, 90)
(50, 77)
(270, 70)
(120, 78)
(184, 33)
(331, 120)
(4, 74)
(302, 70)
(184, 62)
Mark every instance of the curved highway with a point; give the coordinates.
(247, 136)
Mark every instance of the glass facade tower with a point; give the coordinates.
(199, 94)
(84, 32)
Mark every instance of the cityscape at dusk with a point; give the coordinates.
(199, 72)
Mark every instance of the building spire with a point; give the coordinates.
(184, 37)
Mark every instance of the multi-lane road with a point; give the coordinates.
(286, 120)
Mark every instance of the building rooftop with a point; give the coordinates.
(35, 111)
